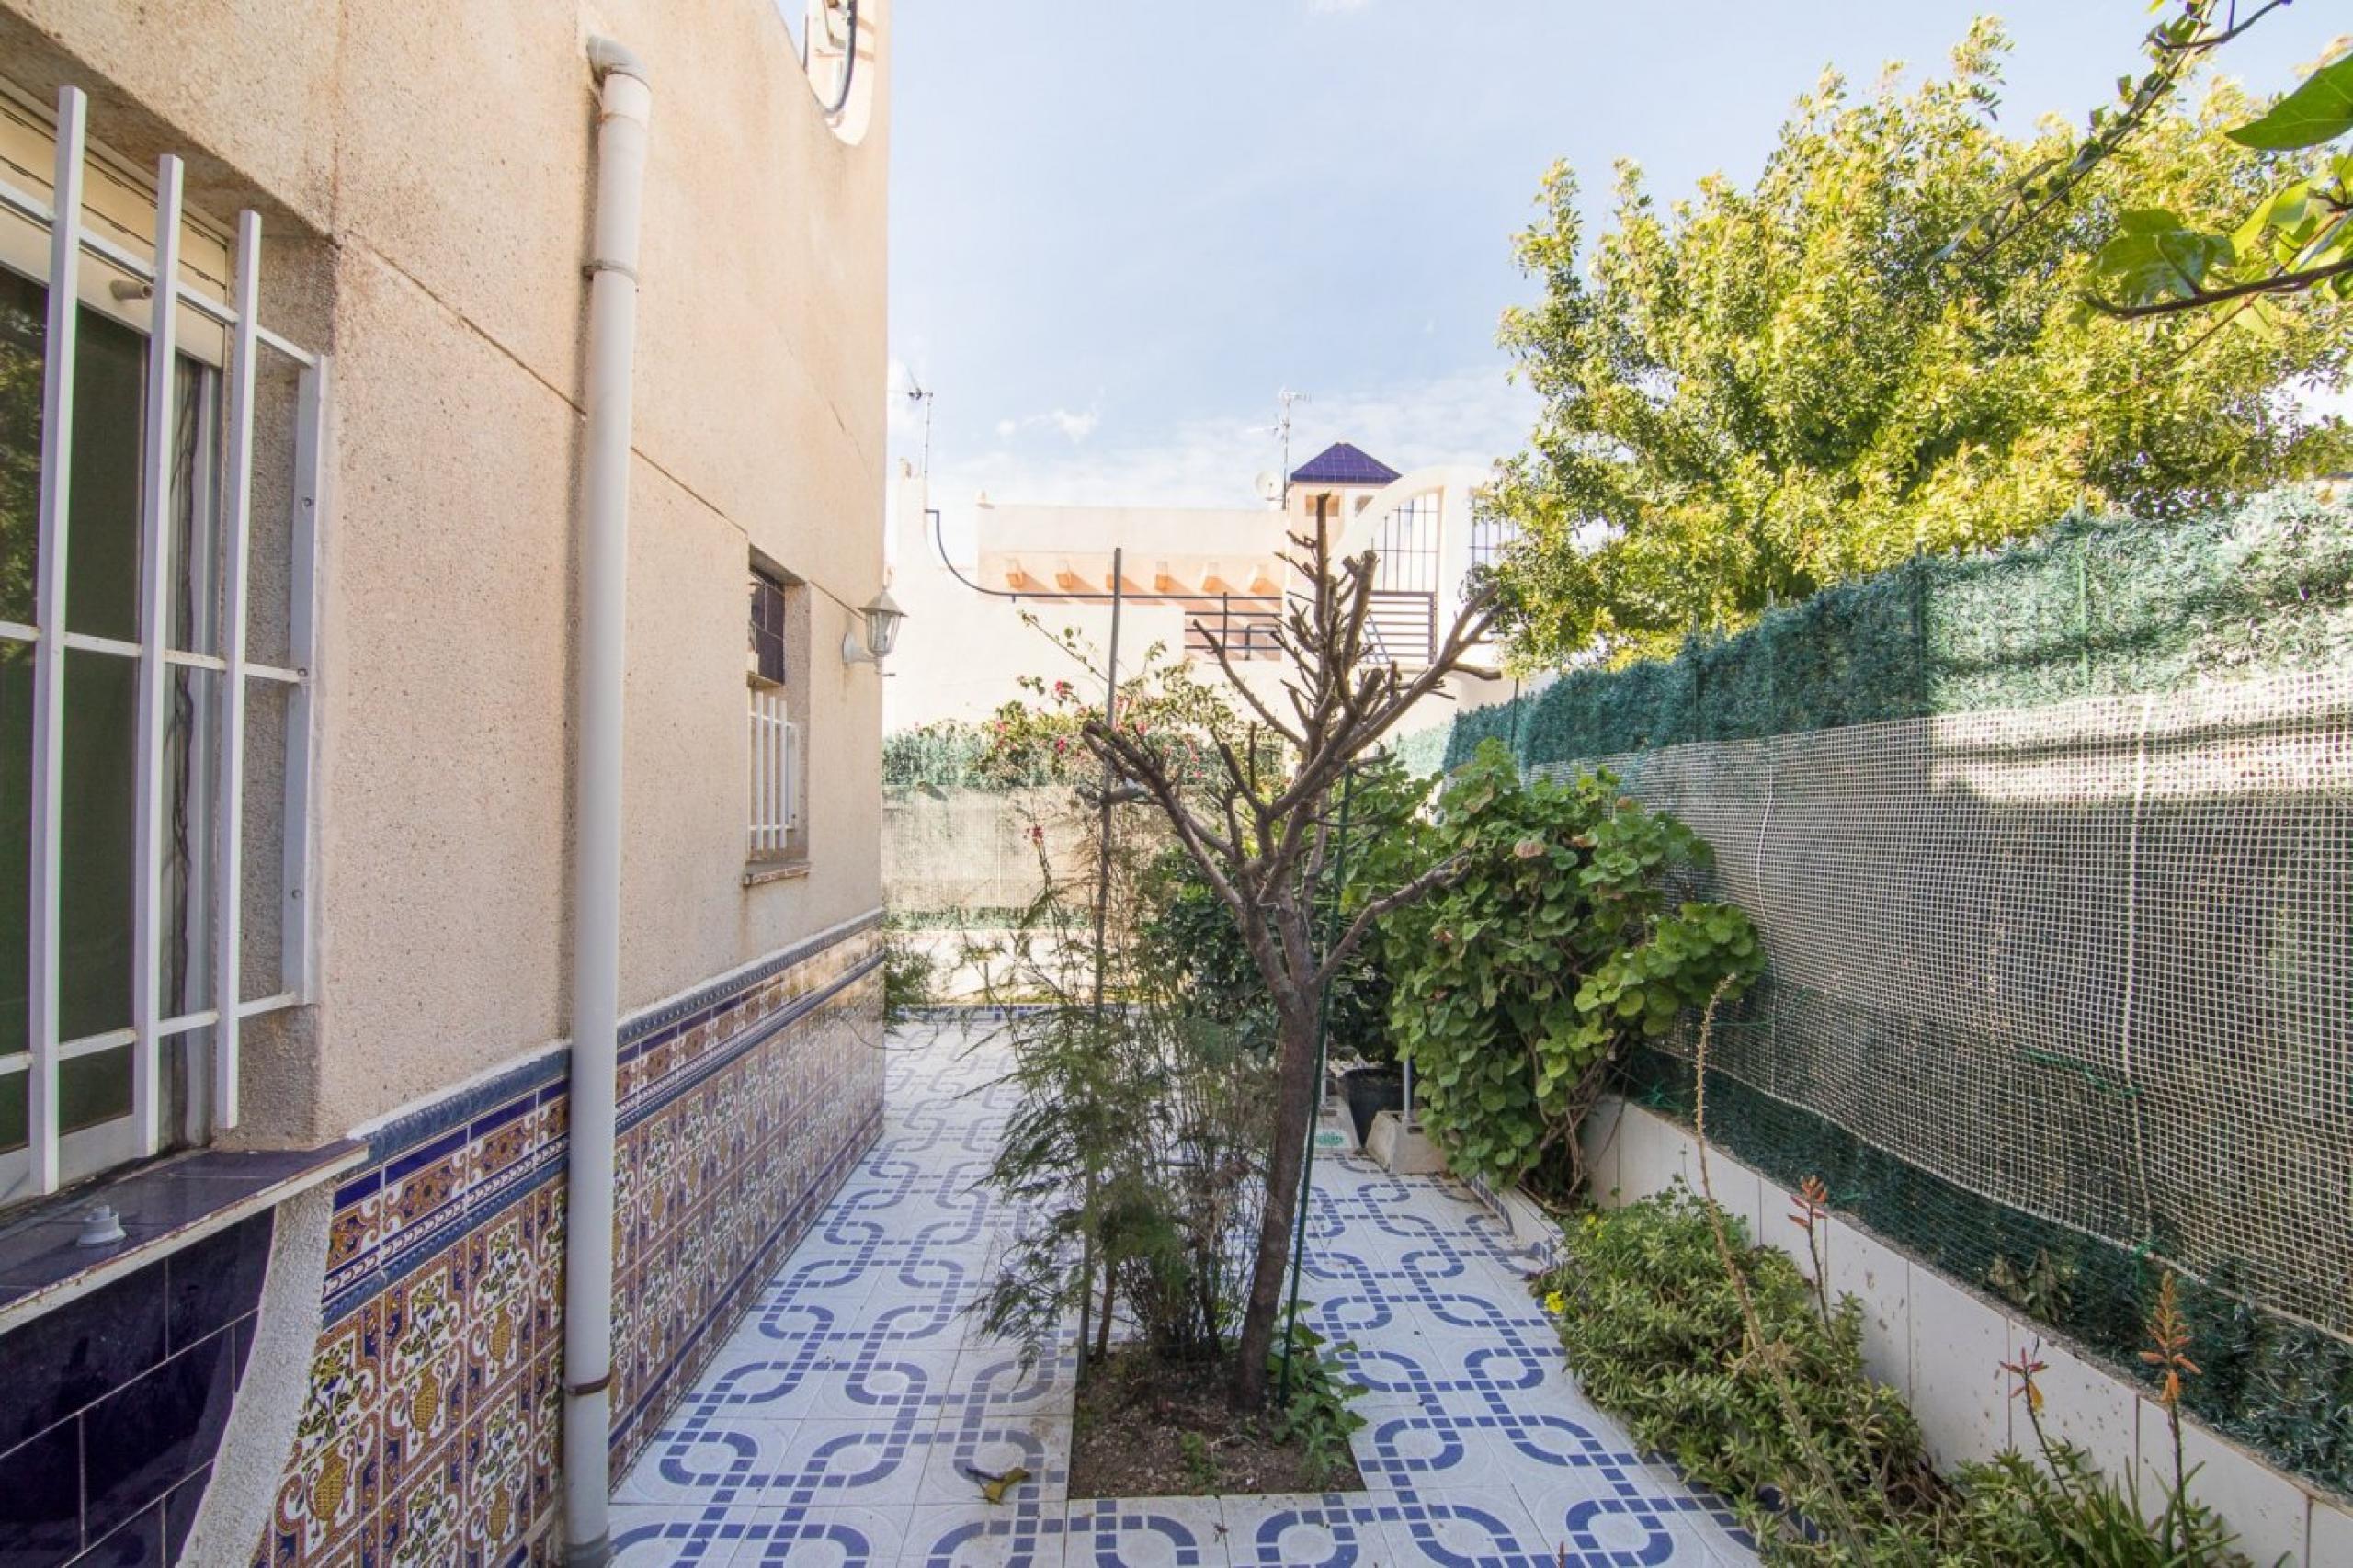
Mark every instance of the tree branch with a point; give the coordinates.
(2198, 45)
(2279, 283)
(1234, 679)
(1445, 873)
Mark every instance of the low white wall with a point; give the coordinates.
(1941, 1345)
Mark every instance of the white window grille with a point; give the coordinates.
(182, 651)
(775, 776)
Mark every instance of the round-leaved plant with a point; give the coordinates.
(1554, 948)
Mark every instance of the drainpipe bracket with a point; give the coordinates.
(589, 1554)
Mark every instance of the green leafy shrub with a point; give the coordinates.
(1516, 985)
(1658, 1333)
(1314, 1412)
(1136, 1136)
(910, 978)
(1727, 1358)
(1018, 747)
(2063, 1514)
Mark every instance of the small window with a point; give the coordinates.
(777, 645)
(768, 628)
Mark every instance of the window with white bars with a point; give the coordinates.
(156, 634)
(775, 727)
(776, 777)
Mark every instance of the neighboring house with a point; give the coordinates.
(306, 662)
(1192, 577)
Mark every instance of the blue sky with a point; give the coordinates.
(1119, 227)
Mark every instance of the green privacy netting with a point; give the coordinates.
(2093, 607)
(2053, 851)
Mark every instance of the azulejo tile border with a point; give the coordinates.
(430, 1432)
(451, 1172)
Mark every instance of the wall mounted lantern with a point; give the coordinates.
(880, 617)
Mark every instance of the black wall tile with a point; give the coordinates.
(179, 1512)
(40, 1499)
(217, 1280)
(150, 1364)
(137, 1544)
(146, 1437)
(79, 1353)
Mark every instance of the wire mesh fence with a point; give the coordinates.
(2093, 960)
(2053, 856)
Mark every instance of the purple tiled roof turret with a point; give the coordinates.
(1341, 463)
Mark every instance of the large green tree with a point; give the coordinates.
(1757, 392)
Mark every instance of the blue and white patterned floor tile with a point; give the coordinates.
(841, 1425)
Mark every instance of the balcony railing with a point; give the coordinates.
(1402, 628)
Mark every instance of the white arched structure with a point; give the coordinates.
(1422, 524)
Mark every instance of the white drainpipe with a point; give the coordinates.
(596, 806)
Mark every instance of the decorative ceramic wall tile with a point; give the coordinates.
(433, 1427)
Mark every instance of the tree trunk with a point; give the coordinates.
(1294, 1099)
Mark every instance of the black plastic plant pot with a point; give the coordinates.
(1370, 1091)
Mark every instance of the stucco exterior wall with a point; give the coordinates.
(966, 651)
(444, 153)
(423, 173)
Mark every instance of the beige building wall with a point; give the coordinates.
(424, 171)
(966, 649)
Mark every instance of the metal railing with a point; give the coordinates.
(1402, 628)
(776, 775)
(1244, 623)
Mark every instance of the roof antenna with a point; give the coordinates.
(1286, 397)
(917, 392)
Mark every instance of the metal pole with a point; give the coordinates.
(1103, 828)
(1102, 914)
(1323, 1027)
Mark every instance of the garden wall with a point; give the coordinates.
(971, 852)
(1941, 1347)
(963, 863)
(2052, 853)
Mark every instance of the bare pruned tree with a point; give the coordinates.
(1262, 838)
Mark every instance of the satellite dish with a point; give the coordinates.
(1270, 487)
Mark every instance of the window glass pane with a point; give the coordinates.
(15, 1112)
(15, 850)
(109, 387)
(93, 1088)
(23, 330)
(194, 612)
(191, 725)
(95, 821)
(767, 626)
(102, 543)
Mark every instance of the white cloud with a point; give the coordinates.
(1469, 416)
(1076, 428)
